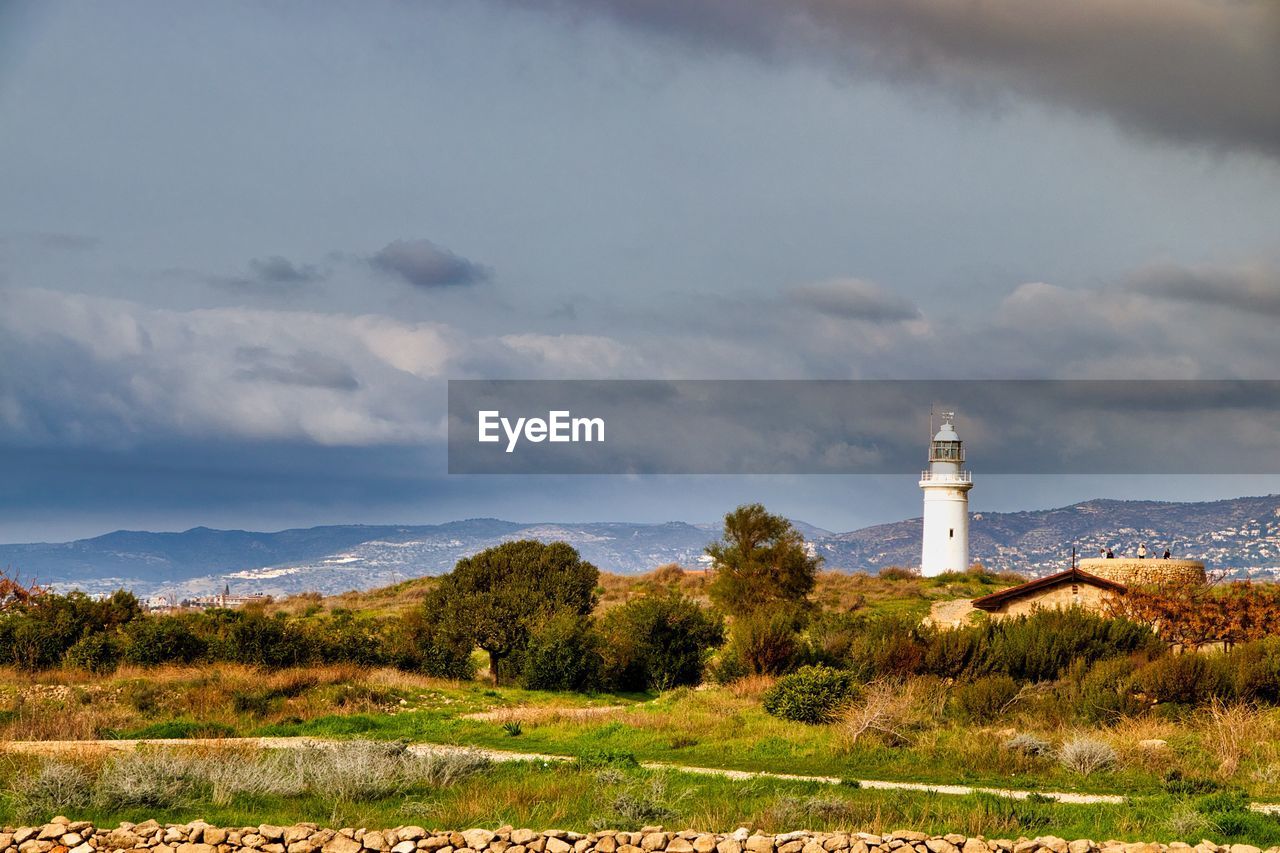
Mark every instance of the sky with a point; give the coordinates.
(243, 246)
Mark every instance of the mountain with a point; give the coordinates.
(1240, 536)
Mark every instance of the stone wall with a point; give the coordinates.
(1131, 571)
(63, 836)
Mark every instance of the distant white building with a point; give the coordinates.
(946, 485)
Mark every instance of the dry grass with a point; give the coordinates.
(65, 705)
(1232, 731)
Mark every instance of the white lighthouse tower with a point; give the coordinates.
(946, 488)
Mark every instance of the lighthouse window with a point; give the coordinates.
(951, 533)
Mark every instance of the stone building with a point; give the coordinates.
(1089, 585)
(1072, 588)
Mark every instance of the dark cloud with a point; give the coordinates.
(1254, 289)
(424, 264)
(1200, 71)
(278, 270)
(855, 299)
(270, 274)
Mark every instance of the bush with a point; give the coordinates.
(767, 642)
(562, 654)
(57, 787)
(151, 779)
(987, 698)
(727, 667)
(897, 573)
(1253, 670)
(162, 639)
(1187, 678)
(422, 643)
(1086, 755)
(1028, 744)
(811, 694)
(658, 642)
(98, 653)
(1101, 693)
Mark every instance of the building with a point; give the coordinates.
(1072, 588)
(946, 485)
(1090, 585)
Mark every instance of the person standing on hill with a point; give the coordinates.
(1167, 553)
(1142, 551)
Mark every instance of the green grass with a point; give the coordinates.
(614, 795)
(711, 729)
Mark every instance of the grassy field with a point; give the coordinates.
(1186, 774)
(185, 785)
(721, 727)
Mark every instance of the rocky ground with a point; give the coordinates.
(63, 836)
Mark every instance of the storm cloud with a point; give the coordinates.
(1198, 71)
(1251, 289)
(424, 264)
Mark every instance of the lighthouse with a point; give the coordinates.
(946, 486)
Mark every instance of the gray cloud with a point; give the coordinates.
(1202, 71)
(270, 274)
(279, 270)
(855, 299)
(1252, 289)
(307, 368)
(424, 264)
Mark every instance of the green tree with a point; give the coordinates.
(502, 593)
(760, 563)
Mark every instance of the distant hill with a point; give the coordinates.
(1241, 535)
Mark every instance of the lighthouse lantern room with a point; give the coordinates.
(946, 486)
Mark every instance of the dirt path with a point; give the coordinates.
(54, 747)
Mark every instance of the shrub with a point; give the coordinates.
(767, 642)
(1039, 647)
(150, 779)
(1254, 670)
(1187, 678)
(727, 667)
(897, 573)
(562, 654)
(423, 643)
(1028, 744)
(987, 698)
(889, 647)
(1101, 693)
(98, 653)
(1086, 755)
(811, 694)
(162, 639)
(658, 642)
(57, 787)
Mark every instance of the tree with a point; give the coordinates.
(761, 562)
(502, 593)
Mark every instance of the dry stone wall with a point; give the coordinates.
(64, 836)
(1134, 572)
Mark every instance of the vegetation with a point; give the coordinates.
(502, 593)
(811, 694)
(366, 784)
(815, 673)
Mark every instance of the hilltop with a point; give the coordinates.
(1239, 534)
